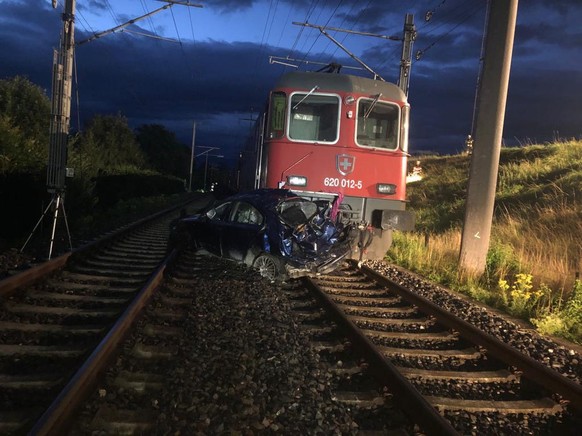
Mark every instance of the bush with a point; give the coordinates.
(567, 321)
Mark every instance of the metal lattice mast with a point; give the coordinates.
(61, 109)
(406, 60)
(61, 102)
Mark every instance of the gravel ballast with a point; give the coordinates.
(562, 357)
(245, 365)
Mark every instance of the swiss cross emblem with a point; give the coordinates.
(345, 163)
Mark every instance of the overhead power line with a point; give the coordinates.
(467, 16)
(122, 26)
(341, 25)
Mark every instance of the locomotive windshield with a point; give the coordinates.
(377, 124)
(314, 117)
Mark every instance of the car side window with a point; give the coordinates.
(221, 212)
(247, 214)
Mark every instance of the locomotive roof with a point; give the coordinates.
(340, 82)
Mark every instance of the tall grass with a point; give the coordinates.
(536, 242)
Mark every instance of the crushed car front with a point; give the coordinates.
(310, 241)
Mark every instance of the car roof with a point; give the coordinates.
(264, 197)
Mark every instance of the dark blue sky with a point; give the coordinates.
(216, 68)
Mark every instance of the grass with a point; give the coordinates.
(535, 252)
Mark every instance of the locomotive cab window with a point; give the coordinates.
(276, 121)
(377, 124)
(314, 117)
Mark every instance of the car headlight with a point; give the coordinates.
(386, 188)
(297, 180)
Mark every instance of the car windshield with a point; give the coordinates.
(296, 211)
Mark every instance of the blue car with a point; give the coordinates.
(274, 230)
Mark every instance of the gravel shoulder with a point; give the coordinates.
(564, 357)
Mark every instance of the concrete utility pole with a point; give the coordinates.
(488, 135)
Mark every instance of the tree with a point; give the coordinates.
(108, 146)
(163, 151)
(24, 125)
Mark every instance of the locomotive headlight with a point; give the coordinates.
(349, 100)
(386, 188)
(297, 180)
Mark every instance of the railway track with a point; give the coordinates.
(384, 357)
(54, 319)
(454, 377)
(371, 405)
(216, 349)
(216, 352)
(135, 384)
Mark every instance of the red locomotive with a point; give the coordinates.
(337, 137)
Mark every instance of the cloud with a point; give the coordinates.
(27, 38)
(222, 84)
(93, 5)
(173, 84)
(230, 6)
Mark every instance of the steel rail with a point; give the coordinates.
(58, 417)
(60, 413)
(413, 402)
(125, 229)
(534, 370)
(29, 276)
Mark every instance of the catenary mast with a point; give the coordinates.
(492, 98)
(61, 110)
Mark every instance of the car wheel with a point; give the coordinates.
(268, 266)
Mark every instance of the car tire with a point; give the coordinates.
(268, 266)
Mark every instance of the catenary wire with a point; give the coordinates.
(327, 22)
(468, 16)
(149, 19)
(284, 26)
(346, 35)
(310, 10)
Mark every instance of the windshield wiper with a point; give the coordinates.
(315, 88)
(369, 111)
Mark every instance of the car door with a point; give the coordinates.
(243, 232)
(211, 228)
